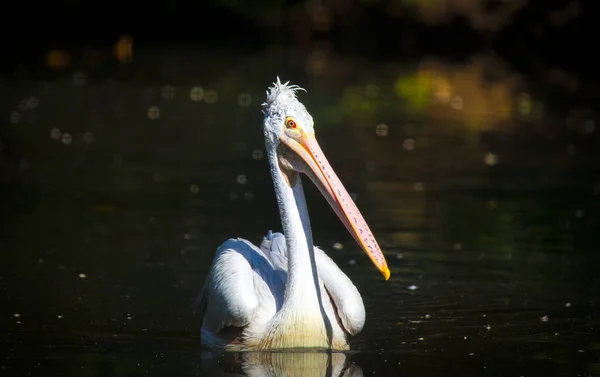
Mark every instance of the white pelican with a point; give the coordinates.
(288, 293)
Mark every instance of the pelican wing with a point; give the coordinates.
(242, 281)
(343, 293)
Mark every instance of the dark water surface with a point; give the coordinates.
(116, 193)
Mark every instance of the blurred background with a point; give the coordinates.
(131, 146)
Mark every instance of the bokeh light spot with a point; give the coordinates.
(491, 159)
(55, 133)
(33, 103)
(79, 78)
(168, 92)
(244, 100)
(257, 154)
(15, 117)
(457, 103)
(525, 104)
(381, 130)
(153, 113)
(197, 93)
(589, 126)
(67, 138)
(57, 59)
(371, 91)
(88, 137)
(211, 96)
(124, 49)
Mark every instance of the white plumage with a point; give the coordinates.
(287, 293)
(246, 287)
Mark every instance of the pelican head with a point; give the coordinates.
(290, 139)
(284, 114)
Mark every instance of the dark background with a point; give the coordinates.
(131, 147)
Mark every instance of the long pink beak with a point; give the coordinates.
(331, 187)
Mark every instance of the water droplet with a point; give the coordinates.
(194, 189)
(82, 276)
(17, 315)
(412, 287)
(544, 318)
(352, 262)
(338, 246)
(233, 196)
(248, 195)
(241, 179)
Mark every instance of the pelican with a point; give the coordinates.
(287, 293)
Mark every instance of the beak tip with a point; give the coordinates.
(386, 272)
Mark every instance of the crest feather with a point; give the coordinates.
(279, 89)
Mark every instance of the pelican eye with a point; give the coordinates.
(290, 123)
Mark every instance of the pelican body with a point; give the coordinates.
(287, 293)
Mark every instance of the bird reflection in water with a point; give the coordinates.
(278, 364)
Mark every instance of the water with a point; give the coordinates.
(484, 198)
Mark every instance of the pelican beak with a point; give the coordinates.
(322, 174)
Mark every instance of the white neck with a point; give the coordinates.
(301, 288)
